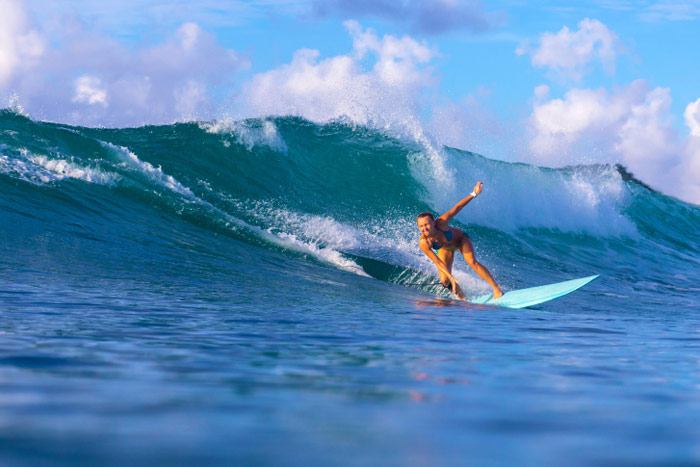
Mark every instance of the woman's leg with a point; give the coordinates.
(448, 258)
(467, 250)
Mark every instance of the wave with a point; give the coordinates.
(335, 194)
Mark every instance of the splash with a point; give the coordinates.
(250, 133)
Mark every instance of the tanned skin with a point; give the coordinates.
(432, 231)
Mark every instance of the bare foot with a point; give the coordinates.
(497, 293)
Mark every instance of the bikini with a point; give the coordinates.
(448, 237)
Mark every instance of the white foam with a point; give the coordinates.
(41, 169)
(313, 238)
(429, 166)
(328, 255)
(291, 242)
(62, 168)
(318, 230)
(25, 170)
(328, 239)
(249, 133)
(13, 104)
(519, 196)
(154, 174)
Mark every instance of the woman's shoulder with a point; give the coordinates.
(442, 224)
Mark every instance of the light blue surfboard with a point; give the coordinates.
(534, 295)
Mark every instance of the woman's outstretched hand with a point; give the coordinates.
(478, 187)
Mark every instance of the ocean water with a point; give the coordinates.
(251, 292)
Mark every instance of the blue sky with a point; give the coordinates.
(552, 82)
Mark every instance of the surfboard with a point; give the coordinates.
(534, 295)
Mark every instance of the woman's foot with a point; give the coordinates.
(497, 293)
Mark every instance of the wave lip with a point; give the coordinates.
(250, 133)
(40, 169)
(62, 168)
(583, 200)
(156, 175)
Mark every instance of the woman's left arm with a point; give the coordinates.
(458, 207)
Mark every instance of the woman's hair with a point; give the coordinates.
(426, 214)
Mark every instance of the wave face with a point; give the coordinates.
(222, 195)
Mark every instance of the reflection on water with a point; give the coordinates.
(445, 303)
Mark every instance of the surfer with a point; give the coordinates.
(438, 235)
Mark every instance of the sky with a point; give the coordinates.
(552, 83)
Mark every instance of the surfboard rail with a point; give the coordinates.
(523, 298)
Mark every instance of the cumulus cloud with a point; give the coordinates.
(568, 54)
(89, 89)
(691, 168)
(632, 122)
(541, 91)
(422, 16)
(630, 125)
(340, 86)
(692, 117)
(20, 44)
(91, 79)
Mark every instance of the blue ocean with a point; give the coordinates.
(251, 292)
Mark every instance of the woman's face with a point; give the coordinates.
(426, 225)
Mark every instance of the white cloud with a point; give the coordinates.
(398, 58)
(689, 185)
(88, 89)
(188, 34)
(630, 125)
(541, 91)
(560, 122)
(567, 54)
(20, 45)
(189, 98)
(646, 139)
(692, 117)
(184, 76)
(341, 86)
(691, 152)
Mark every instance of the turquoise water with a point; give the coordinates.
(252, 292)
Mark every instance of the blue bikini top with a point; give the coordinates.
(448, 237)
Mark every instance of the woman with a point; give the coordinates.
(445, 240)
